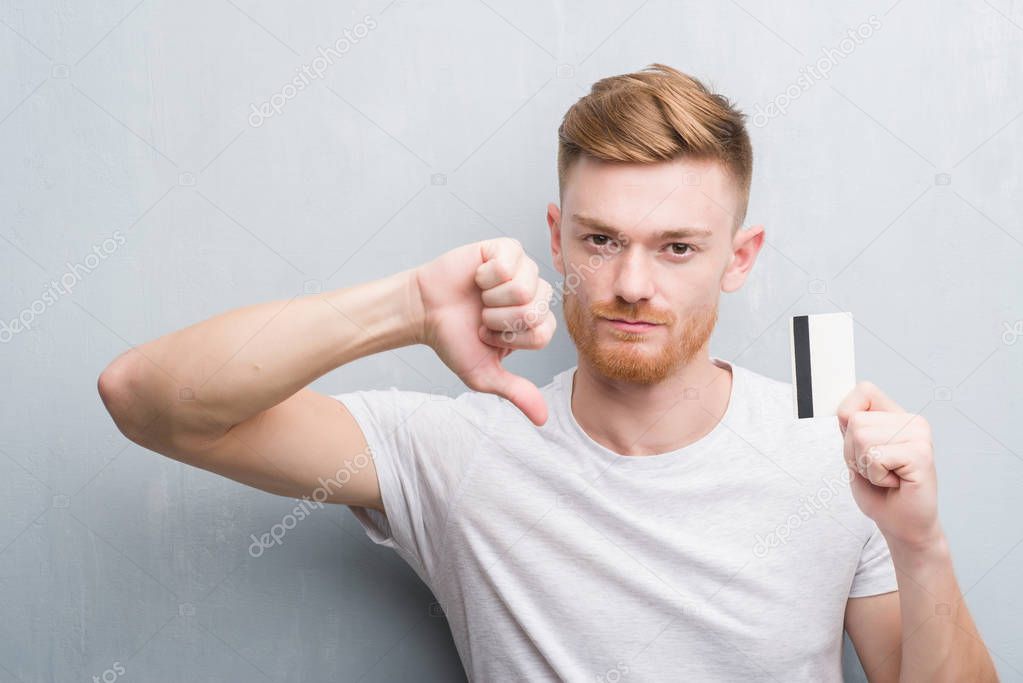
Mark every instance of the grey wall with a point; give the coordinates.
(134, 169)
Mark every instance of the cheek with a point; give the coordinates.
(691, 295)
(589, 284)
(698, 280)
(573, 294)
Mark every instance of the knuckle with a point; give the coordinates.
(528, 339)
(521, 291)
(536, 340)
(531, 319)
(925, 451)
(501, 270)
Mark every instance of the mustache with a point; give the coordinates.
(632, 312)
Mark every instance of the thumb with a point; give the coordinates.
(520, 391)
(865, 396)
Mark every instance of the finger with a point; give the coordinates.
(520, 289)
(533, 339)
(888, 464)
(500, 262)
(849, 451)
(867, 464)
(520, 391)
(859, 438)
(865, 396)
(514, 318)
(520, 318)
(898, 426)
(886, 480)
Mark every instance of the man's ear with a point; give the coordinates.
(554, 223)
(746, 244)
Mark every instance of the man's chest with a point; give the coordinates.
(667, 566)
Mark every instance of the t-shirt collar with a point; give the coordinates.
(680, 457)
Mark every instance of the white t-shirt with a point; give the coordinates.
(554, 557)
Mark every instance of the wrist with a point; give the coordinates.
(932, 544)
(375, 316)
(416, 309)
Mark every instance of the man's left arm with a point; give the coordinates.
(894, 483)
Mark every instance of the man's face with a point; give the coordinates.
(643, 242)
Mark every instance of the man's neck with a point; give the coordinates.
(647, 419)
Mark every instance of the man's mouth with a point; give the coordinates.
(631, 325)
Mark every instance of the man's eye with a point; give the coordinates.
(599, 240)
(681, 248)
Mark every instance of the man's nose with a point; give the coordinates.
(634, 279)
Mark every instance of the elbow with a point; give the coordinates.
(115, 390)
(136, 399)
(111, 382)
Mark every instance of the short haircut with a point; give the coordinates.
(657, 114)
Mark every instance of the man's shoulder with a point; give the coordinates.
(809, 450)
(770, 403)
(765, 396)
(496, 414)
(438, 402)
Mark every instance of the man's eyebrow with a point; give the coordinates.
(677, 233)
(684, 233)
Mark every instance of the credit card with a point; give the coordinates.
(823, 362)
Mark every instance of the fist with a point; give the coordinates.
(481, 302)
(891, 459)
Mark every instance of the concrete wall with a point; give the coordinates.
(137, 168)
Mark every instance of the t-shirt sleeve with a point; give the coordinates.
(875, 573)
(422, 446)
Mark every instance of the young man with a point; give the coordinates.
(652, 513)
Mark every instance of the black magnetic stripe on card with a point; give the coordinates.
(804, 387)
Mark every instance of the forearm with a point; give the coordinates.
(940, 642)
(202, 380)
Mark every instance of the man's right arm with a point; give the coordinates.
(229, 394)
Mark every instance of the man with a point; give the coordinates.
(651, 514)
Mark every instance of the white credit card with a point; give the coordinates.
(823, 362)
